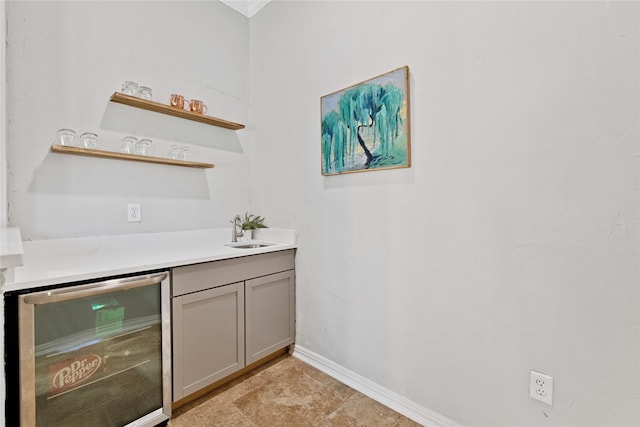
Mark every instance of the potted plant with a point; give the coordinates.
(249, 223)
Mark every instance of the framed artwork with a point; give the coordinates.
(365, 127)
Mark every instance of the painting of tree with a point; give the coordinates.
(366, 126)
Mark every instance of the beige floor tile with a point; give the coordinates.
(229, 392)
(341, 389)
(294, 399)
(361, 411)
(212, 415)
(286, 392)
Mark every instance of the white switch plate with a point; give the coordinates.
(541, 387)
(134, 212)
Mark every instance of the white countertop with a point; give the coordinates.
(57, 261)
(10, 247)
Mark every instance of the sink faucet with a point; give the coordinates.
(237, 220)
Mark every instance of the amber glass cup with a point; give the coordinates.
(197, 106)
(177, 101)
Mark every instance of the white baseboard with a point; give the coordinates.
(391, 399)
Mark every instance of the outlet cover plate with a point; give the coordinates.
(541, 387)
(134, 213)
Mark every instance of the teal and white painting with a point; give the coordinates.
(366, 126)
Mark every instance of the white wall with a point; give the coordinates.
(511, 244)
(3, 181)
(65, 59)
(3, 121)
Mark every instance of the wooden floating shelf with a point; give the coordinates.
(64, 149)
(176, 112)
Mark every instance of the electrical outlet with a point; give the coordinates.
(134, 212)
(541, 387)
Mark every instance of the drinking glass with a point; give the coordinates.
(197, 106)
(88, 140)
(173, 152)
(128, 144)
(177, 101)
(66, 137)
(183, 153)
(144, 92)
(130, 88)
(144, 147)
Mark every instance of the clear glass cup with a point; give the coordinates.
(173, 152)
(184, 151)
(144, 92)
(128, 145)
(130, 88)
(144, 147)
(66, 137)
(89, 140)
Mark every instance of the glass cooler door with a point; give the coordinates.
(96, 354)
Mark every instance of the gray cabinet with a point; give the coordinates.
(269, 314)
(228, 314)
(207, 345)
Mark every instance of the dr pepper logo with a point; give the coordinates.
(72, 373)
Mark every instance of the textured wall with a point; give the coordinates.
(65, 59)
(511, 244)
(3, 122)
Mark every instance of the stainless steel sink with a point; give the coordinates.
(249, 245)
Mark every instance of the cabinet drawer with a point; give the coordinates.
(197, 277)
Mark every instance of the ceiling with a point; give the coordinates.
(246, 7)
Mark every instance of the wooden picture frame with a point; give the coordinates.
(366, 127)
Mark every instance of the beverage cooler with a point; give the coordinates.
(92, 354)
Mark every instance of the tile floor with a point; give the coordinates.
(286, 392)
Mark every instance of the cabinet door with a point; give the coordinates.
(270, 316)
(208, 337)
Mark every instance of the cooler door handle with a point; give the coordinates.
(75, 292)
